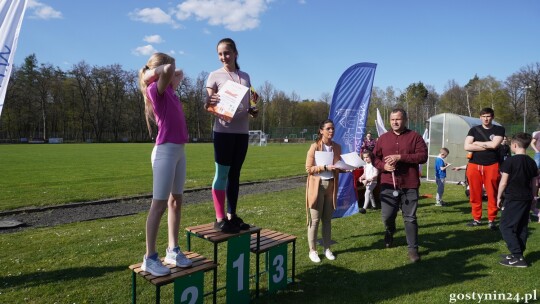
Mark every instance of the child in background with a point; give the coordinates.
(534, 208)
(440, 174)
(369, 179)
(517, 187)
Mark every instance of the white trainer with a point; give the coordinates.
(314, 257)
(177, 259)
(329, 255)
(155, 267)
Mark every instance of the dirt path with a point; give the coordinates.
(78, 212)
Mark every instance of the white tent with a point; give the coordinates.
(449, 130)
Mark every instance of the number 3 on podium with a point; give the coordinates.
(277, 272)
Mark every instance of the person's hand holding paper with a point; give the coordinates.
(350, 161)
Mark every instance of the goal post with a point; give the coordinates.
(257, 138)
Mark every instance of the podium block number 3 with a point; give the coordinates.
(189, 289)
(238, 269)
(277, 278)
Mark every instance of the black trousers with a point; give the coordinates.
(514, 225)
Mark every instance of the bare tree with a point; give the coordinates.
(513, 85)
(266, 94)
(530, 76)
(200, 98)
(81, 73)
(454, 100)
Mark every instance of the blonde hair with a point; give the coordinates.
(154, 61)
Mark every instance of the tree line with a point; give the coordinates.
(104, 104)
(515, 100)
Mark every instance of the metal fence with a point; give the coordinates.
(306, 133)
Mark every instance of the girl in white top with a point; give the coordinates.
(369, 179)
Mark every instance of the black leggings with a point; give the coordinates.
(229, 153)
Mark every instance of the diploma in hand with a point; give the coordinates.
(350, 161)
(230, 97)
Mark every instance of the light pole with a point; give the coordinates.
(525, 108)
(263, 104)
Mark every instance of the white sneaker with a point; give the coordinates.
(329, 255)
(314, 257)
(155, 267)
(177, 259)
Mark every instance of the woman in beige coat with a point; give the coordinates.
(321, 189)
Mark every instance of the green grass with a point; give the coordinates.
(87, 262)
(40, 175)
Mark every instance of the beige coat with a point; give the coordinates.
(313, 181)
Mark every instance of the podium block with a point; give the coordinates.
(189, 289)
(238, 269)
(274, 245)
(239, 288)
(185, 275)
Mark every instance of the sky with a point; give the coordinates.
(299, 46)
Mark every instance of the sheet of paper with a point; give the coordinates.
(353, 159)
(230, 97)
(343, 166)
(324, 158)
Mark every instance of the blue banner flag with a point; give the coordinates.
(349, 111)
(11, 15)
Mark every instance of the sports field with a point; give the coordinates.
(48, 174)
(87, 262)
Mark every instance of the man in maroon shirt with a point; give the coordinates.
(397, 155)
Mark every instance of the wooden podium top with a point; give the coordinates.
(269, 239)
(200, 263)
(208, 232)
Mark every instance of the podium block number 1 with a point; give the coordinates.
(238, 269)
(277, 264)
(189, 289)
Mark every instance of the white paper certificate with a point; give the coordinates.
(353, 159)
(350, 161)
(230, 97)
(324, 158)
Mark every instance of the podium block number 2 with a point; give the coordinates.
(238, 269)
(189, 289)
(277, 268)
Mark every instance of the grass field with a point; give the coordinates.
(88, 262)
(39, 175)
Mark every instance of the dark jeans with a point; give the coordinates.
(440, 188)
(514, 225)
(407, 201)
